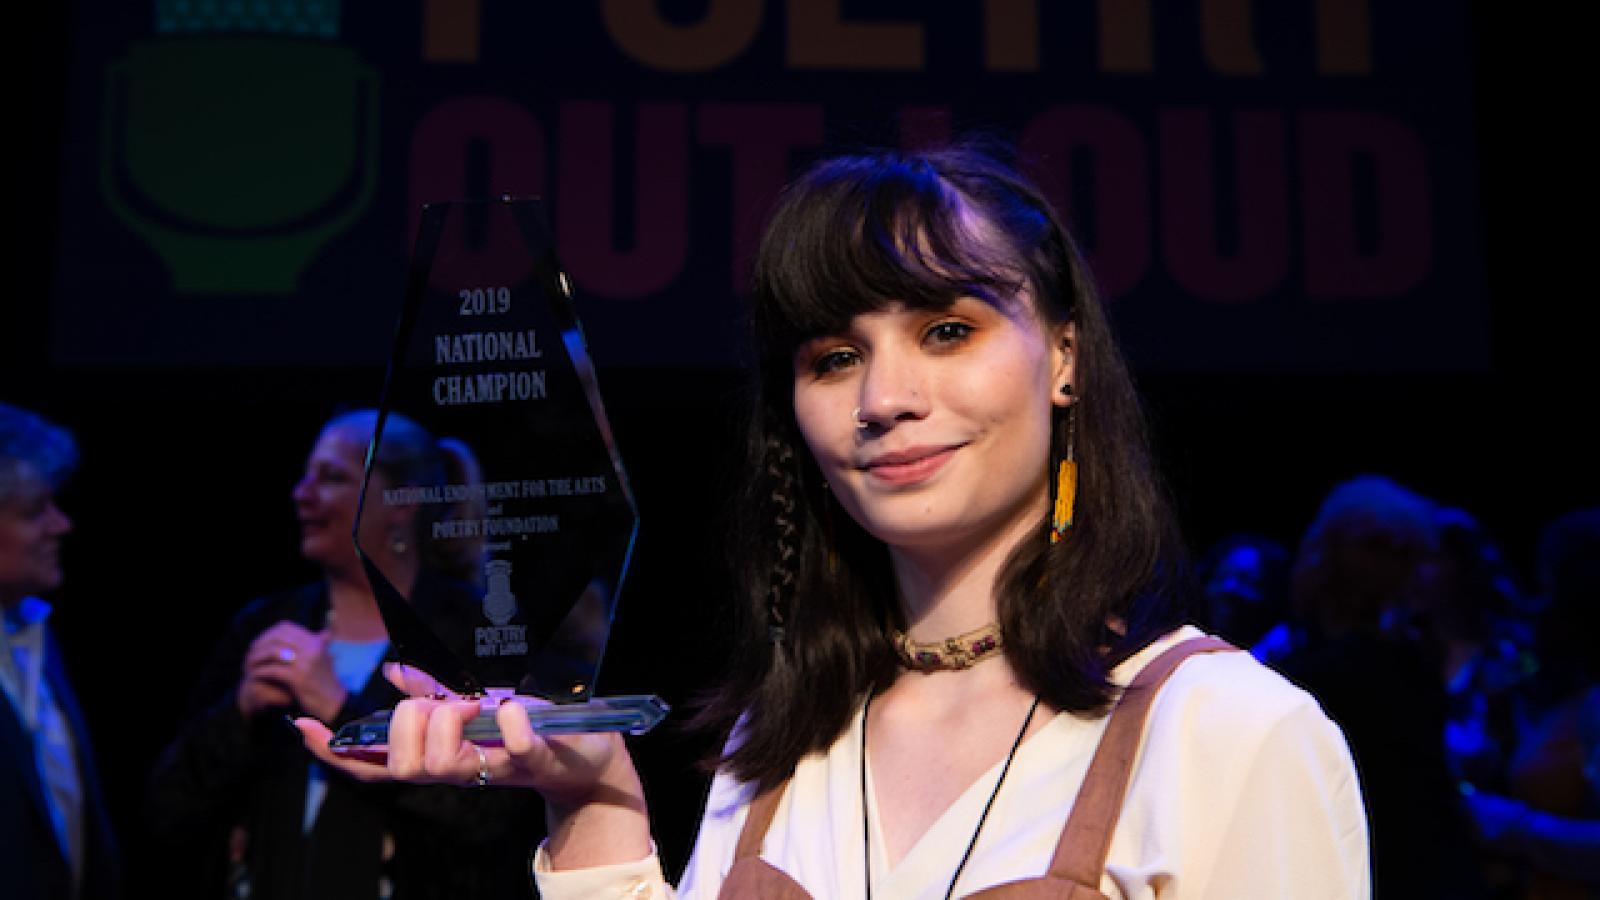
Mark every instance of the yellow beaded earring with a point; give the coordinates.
(1066, 486)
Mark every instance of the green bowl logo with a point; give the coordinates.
(238, 157)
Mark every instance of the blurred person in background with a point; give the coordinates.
(1244, 588)
(237, 781)
(1466, 615)
(55, 839)
(1360, 570)
(1548, 821)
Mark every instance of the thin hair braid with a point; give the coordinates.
(780, 591)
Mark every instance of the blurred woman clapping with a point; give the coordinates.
(236, 779)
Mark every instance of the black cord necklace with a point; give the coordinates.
(866, 826)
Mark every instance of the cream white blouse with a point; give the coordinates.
(1243, 788)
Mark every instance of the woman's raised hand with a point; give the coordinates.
(593, 798)
(289, 665)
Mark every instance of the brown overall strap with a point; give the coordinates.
(758, 820)
(1086, 840)
(751, 877)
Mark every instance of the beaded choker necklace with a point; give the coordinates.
(960, 652)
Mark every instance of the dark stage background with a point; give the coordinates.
(1341, 321)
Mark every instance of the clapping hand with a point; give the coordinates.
(288, 665)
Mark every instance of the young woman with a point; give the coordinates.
(958, 560)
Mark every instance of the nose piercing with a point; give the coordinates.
(855, 416)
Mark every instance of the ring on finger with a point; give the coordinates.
(483, 766)
(286, 654)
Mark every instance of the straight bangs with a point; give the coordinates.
(858, 234)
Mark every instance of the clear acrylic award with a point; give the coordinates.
(489, 352)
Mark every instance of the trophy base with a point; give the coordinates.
(368, 737)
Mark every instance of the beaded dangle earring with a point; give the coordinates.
(1066, 480)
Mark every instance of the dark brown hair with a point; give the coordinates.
(852, 235)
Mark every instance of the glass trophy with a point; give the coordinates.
(498, 572)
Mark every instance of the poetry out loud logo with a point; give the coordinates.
(499, 606)
(240, 140)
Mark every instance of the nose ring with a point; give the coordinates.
(855, 416)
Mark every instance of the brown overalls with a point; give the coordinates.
(1080, 857)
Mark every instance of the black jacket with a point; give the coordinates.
(226, 776)
(31, 863)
